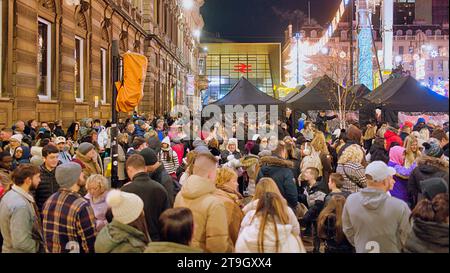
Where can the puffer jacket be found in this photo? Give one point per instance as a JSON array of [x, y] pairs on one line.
[[120, 238], [280, 171], [427, 167], [210, 217], [247, 241], [391, 137], [46, 187], [427, 237]]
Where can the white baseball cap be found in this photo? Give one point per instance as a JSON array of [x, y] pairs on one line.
[[379, 171], [60, 139]]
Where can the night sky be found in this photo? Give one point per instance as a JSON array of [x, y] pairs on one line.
[[260, 20]]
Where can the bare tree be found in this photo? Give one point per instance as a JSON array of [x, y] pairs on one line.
[[336, 66]]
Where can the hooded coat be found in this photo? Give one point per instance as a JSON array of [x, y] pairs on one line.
[[374, 221], [25, 159], [396, 161], [427, 237], [427, 167], [210, 217], [85, 127], [280, 171], [247, 241], [391, 137], [120, 238]]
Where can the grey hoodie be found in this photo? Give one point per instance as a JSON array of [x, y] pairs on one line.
[[376, 222]]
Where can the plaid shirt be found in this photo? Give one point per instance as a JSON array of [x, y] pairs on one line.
[[68, 223]]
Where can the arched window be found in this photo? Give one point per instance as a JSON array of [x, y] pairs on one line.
[[438, 32], [409, 32], [399, 32], [313, 34], [344, 35], [428, 32]]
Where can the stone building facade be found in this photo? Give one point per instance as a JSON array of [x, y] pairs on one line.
[[56, 55]]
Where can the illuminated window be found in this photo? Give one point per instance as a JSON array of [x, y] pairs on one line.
[[103, 74], [79, 69], [44, 59]]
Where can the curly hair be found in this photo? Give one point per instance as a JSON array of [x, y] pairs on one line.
[[224, 175], [352, 154], [319, 143]]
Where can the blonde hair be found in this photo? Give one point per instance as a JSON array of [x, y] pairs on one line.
[[382, 130], [224, 175], [352, 154], [411, 156], [97, 179], [319, 143]]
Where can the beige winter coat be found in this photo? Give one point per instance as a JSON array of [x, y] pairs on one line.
[[210, 217]]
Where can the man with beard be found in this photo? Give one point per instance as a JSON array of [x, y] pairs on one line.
[[20, 223], [68, 218]]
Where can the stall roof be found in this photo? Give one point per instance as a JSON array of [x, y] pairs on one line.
[[406, 94]]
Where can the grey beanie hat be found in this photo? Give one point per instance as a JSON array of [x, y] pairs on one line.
[[67, 174], [198, 142], [202, 149], [85, 148]]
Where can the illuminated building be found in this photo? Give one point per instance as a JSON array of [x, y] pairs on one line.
[[226, 63]]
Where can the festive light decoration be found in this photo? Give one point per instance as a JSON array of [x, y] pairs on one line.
[[398, 59], [420, 69], [365, 66], [434, 54], [297, 63]]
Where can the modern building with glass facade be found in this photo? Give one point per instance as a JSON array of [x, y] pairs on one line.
[[226, 63]]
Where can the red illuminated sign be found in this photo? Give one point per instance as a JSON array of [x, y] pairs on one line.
[[243, 68]]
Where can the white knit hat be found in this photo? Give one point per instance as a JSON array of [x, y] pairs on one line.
[[17, 137], [126, 207]]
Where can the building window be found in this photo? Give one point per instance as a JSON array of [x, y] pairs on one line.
[[400, 50], [429, 65], [79, 69], [344, 35], [409, 32], [313, 34], [428, 32], [440, 65], [44, 59], [103, 74], [438, 32], [399, 32]]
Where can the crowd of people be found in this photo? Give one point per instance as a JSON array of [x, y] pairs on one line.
[[371, 187]]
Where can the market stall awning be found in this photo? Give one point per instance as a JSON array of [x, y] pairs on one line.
[[406, 94]]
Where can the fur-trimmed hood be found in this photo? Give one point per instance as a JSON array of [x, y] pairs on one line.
[[275, 161], [427, 162]]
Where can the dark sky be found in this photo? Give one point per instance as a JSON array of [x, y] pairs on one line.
[[260, 20]]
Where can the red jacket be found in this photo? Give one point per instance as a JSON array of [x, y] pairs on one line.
[[391, 137]]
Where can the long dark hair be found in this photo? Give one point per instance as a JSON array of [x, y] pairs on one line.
[[177, 225], [432, 211], [71, 133], [333, 209], [141, 224]]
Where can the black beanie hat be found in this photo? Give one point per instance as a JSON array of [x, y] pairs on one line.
[[433, 186], [150, 156]]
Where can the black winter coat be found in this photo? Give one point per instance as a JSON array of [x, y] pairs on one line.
[[427, 167], [46, 187], [321, 122], [427, 237], [280, 171], [160, 175], [155, 200]]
